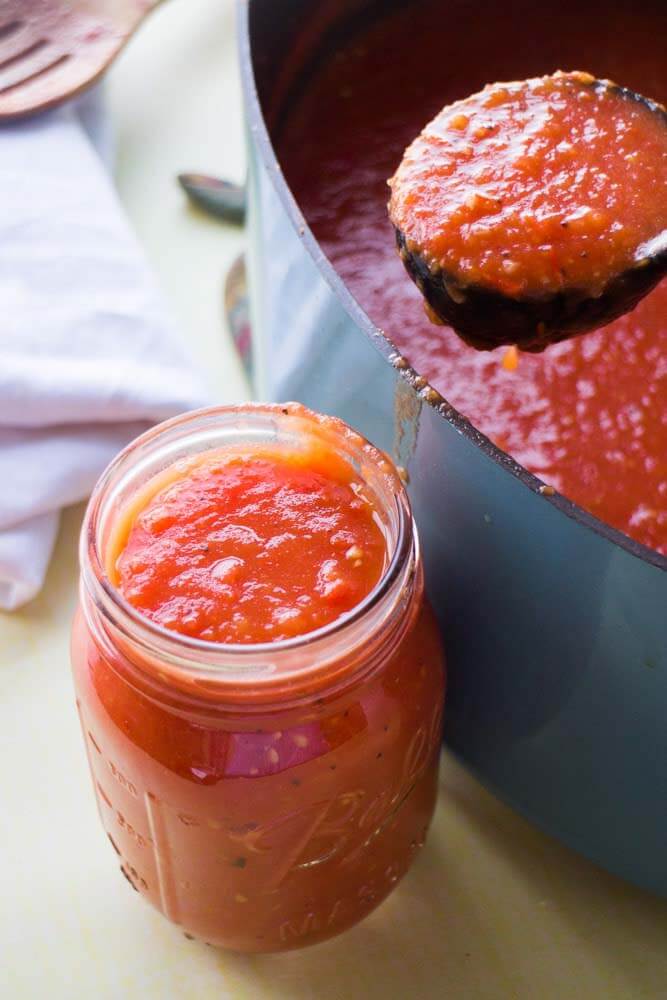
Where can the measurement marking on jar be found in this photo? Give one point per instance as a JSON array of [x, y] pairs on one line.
[[84, 732], [188, 820], [162, 854], [133, 876], [137, 837], [122, 780], [104, 795]]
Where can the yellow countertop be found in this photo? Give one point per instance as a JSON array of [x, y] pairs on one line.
[[493, 909]]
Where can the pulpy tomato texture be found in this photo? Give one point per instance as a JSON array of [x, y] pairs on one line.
[[253, 548]]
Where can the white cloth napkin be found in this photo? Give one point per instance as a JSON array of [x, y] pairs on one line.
[[88, 358]]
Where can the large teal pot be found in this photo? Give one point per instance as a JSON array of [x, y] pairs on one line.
[[555, 624]]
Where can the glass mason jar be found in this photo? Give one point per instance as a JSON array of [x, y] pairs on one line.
[[266, 796]]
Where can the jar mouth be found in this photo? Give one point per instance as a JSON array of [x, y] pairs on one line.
[[199, 431]]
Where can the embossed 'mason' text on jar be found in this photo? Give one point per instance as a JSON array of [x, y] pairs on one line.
[[266, 796]]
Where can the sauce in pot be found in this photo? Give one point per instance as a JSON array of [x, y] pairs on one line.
[[589, 415]]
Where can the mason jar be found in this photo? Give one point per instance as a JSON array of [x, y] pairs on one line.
[[261, 796]]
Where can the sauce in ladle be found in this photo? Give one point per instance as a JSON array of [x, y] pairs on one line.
[[536, 209]]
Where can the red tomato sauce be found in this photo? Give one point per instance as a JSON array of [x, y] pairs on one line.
[[589, 416], [262, 800], [248, 548], [276, 829], [530, 186]]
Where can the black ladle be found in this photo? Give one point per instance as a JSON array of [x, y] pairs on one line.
[[487, 318]]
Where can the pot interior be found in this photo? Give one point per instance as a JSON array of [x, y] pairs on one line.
[[356, 81]]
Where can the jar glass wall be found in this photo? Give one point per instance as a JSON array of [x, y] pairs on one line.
[[261, 796]]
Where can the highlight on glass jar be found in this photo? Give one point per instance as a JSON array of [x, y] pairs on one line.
[[259, 678]]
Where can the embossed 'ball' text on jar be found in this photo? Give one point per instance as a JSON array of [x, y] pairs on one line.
[[263, 797]]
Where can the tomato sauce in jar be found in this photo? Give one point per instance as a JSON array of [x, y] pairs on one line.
[[265, 766], [252, 545]]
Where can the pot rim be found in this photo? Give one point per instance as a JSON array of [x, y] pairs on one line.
[[427, 394]]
